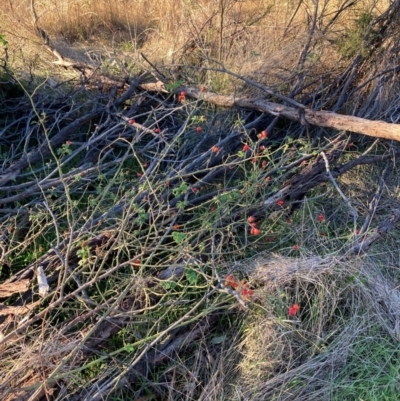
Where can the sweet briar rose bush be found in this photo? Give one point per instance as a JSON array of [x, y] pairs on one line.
[[259, 228], [214, 226]]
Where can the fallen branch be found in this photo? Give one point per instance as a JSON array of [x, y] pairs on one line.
[[376, 129], [8, 289], [377, 233]]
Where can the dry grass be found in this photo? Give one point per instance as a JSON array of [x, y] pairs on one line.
[[255, 38], [302, 358]]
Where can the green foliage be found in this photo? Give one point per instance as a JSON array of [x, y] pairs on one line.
[[182, 189], [357, 39], [178, 237], [371, 372], [172, 86], [64, 150], [129, 347], [169, 285], [191, 276], [84, 254], [3, 41]]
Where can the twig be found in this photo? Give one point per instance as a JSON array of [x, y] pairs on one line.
[[153, 66], [378, 232], [374, 202], [347, 201]]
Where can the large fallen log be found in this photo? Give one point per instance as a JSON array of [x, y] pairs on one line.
[[377, 129]]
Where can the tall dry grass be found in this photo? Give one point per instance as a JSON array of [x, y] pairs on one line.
[[253, 36]]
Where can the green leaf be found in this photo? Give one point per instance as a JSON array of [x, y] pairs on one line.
[[181, 205], [168, 285], [191, 276], [129, 347], [178, 237], [218, 340], [181, 189]]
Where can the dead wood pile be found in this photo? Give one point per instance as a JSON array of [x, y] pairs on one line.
[[106, 180]]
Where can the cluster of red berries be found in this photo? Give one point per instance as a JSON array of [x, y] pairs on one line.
[[246, 148], [294, 309], [263, 135], [182, 96], [242, 288], [254, 229]]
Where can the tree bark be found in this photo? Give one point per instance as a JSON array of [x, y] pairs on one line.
[[376, 129]]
